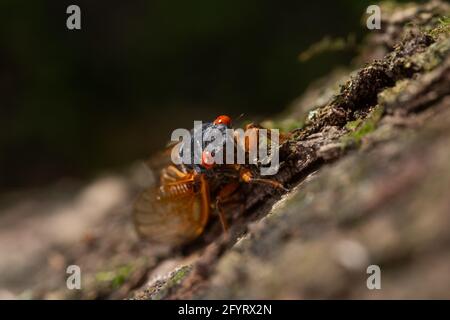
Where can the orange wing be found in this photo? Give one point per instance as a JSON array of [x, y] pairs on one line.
[[175, 213]]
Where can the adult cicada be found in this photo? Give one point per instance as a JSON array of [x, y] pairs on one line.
[[178, 209]]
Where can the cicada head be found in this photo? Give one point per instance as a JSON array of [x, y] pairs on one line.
[[211, 142]]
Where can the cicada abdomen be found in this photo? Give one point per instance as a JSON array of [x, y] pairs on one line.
[[176, 212]]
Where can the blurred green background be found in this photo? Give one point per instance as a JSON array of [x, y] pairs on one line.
[[75, 103]]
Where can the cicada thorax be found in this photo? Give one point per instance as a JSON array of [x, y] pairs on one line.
[[177, 211]]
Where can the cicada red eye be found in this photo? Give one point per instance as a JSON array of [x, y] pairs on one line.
[[223, 119], [207, 160]]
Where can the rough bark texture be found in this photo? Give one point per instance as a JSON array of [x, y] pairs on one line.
[[368, 172]]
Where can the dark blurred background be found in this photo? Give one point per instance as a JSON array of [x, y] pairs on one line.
[[75, 103]]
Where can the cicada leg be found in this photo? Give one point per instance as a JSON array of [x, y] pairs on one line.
[[282, 136], [247, 177], [221, 199]]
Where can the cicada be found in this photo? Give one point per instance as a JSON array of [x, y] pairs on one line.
[[178, 209]]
